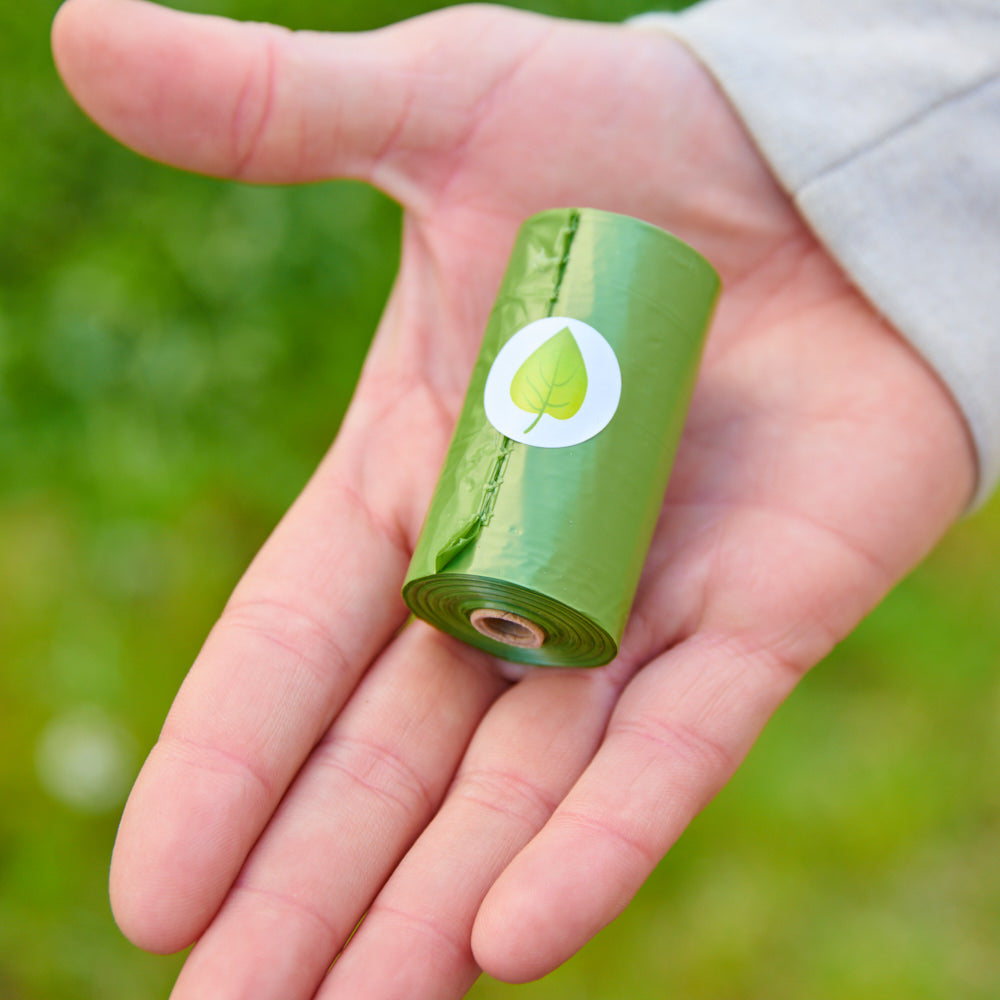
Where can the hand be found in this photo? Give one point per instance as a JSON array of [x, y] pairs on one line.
[[318, 764]]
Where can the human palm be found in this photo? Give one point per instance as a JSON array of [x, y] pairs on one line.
[[319, 764]]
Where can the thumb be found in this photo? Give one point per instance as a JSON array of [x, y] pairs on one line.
[[261, 103]]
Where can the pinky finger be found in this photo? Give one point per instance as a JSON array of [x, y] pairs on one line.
[[681, 729]]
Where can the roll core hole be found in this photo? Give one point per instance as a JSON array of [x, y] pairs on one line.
[[506, 627]]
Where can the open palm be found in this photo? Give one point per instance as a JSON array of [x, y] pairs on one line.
[[319, 764]]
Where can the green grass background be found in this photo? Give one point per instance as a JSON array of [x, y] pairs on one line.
[[175, 355]]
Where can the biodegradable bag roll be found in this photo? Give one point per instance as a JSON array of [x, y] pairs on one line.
[[550, 491]]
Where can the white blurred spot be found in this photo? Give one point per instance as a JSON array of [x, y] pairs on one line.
[[85, 759]]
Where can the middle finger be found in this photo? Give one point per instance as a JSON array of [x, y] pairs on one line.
[[526, 754]]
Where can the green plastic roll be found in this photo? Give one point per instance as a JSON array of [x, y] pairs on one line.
[[546, 504]]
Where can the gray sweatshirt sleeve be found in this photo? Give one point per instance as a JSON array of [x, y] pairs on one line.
[[882, 120]]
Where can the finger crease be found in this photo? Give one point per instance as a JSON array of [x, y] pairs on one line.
[[507, 794], [382, 771], [299, 906], [752, 652], [263, 73], [213, 759], [293, 630], [392, 138], [458, 944], [391, 533], [678, 741], [602, 828]]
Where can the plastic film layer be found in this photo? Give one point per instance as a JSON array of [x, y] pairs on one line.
[[554, 535]]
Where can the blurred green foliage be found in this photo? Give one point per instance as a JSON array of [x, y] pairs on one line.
[[175, 355]]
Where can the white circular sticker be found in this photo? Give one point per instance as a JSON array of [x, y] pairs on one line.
[[555, 383]]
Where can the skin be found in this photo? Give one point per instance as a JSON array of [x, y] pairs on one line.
[[318, 764]]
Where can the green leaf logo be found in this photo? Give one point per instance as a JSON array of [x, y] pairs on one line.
[[556, 365], [552, 380]]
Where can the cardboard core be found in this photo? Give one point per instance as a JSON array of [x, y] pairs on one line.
[[506, 627]]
